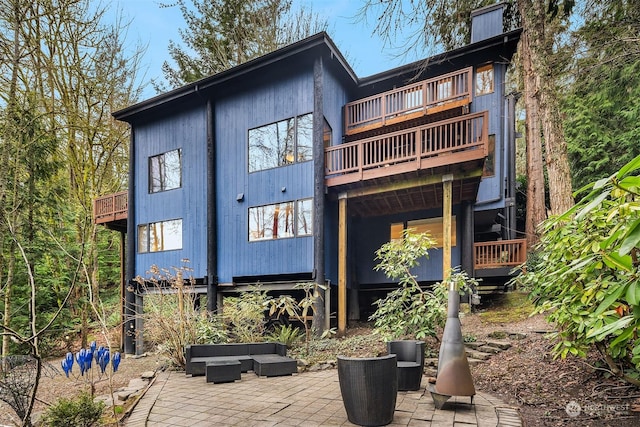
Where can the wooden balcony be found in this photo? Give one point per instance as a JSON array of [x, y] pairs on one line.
[[499, 254], [426, 97], [448, 142], [111, 210]]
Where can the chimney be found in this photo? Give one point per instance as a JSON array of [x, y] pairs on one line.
[[486, 22]]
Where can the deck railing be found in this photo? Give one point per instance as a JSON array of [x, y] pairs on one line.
[[425, 97], [112, 207], [502, 253], [446, 142]]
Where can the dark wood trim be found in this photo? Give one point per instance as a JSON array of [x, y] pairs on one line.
[[409, 183], [212, 229], [318, 191], [130, 308]]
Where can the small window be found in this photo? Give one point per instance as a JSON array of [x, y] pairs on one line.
[[282, 143], [160, 236], [143, 238], [327, 134], [305, 217], [396, 231], [280, 221], [484, 79], [165, 171], [490, 161]]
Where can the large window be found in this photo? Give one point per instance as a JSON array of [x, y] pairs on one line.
[[160, 236], [282, 143], [281, 220], [165, 171], [433, 226]]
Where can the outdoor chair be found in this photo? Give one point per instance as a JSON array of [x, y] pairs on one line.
[[410, 361]]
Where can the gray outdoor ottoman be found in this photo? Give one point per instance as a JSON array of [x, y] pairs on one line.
[[223, 371]]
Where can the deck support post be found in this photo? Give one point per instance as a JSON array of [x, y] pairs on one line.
[[447, 181], [342, 264]]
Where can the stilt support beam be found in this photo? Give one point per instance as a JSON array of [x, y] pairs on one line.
[[447, 181], [342, 265]]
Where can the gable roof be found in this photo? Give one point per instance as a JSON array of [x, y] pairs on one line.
[[306, 51], [303, 51]]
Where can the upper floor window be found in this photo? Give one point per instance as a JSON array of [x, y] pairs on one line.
[[484, 79], [165, 171], [282, 143], [160, 236], [281, 220]]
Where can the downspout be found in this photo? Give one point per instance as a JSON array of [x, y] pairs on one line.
[[318, 194], [212, 226], [129, 331]]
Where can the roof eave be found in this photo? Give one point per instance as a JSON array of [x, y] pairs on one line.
[[184, 92], [504, 38]]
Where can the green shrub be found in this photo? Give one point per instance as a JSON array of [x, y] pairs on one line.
[[79, 412], [244, 315], [412, 310], [286, 334], [172, 320], [588, 277]]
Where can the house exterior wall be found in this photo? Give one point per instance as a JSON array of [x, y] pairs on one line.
[[491, 190], [373, 232], [486, 22], [256, 106], [335, 96], [183, 130]]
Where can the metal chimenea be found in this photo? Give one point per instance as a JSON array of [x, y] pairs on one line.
[[454, 376]]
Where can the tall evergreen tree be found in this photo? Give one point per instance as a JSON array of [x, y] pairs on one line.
[[602, 109], [221, 34]]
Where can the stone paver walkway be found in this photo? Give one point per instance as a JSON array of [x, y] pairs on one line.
[[307, 399]]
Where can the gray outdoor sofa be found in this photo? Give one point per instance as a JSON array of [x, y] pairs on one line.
[[267, 359]]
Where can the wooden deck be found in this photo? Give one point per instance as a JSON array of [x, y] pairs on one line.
[[110, 208], [499, 254], [425, 97], [453, 141]]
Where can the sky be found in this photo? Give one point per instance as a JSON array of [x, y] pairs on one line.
[[154, 26]]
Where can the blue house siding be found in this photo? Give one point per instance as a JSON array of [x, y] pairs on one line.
[[491, 190], [184, 130], [487, 22], [374, 232], [334, 97], [234, 116]]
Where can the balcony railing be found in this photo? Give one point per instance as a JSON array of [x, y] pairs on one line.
[[503, 253], [425, 97], [451, 141], [109, 208]]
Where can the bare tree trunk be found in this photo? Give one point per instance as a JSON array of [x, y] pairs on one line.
[[557, 160], [538, 39], [536, 211], [8, 286]]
